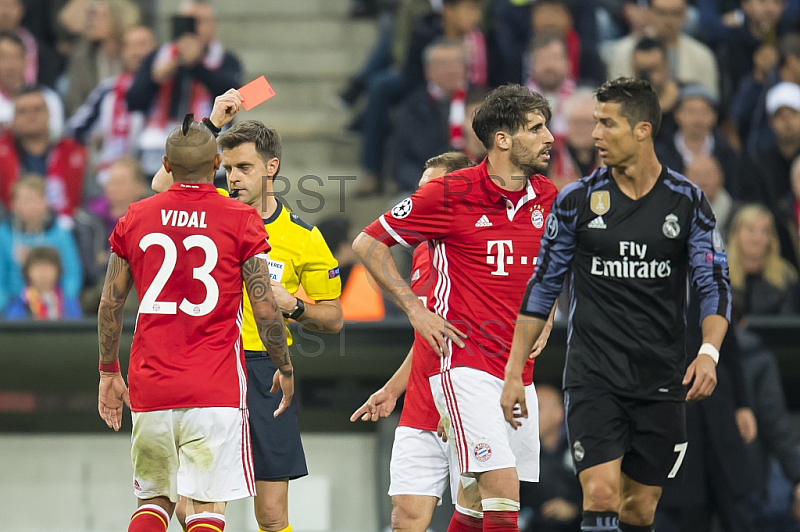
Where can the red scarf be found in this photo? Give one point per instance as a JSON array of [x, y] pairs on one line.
[[44, 308], [31, 55], [66, 163], [200, 101], [120, 117], [456, 119], [573, 41], [478, 65]]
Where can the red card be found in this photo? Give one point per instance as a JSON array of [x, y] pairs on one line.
[[256, 92]]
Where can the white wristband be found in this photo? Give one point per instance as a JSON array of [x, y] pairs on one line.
[[710, 350]]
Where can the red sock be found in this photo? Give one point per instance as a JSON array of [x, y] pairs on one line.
[[464, 523], [205, 522], [149, 518], [500, 521]]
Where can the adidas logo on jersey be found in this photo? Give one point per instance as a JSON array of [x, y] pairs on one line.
[[597, 223], [483, 222]]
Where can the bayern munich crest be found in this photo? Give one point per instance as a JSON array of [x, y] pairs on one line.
[[482, 451], [537, 218]]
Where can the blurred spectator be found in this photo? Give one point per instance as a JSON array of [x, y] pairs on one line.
[[706, 172], [28, 148], [95, 222], [689, 60], [12, 81], [761, 281], [573, 21], [32, 225], [431, 119], [361, 298], [473, 147], [549, 75], [556, 502], [103, 122], [649, 62], [458, 21], [749, 109], [697, 134], [98, 55], [768, 172], [42, 298], [575, 155], [741, 46], [183, 76], [776, 434], [42, 65]]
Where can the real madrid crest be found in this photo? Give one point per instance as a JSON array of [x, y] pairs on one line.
[[600, 202], [671, 227], [578, 452]]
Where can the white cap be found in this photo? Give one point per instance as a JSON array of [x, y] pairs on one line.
[[784, 94]]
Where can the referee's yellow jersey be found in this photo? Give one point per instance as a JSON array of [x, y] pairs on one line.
[[299, 256]]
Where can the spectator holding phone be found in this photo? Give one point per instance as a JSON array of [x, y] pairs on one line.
[[183, 76]]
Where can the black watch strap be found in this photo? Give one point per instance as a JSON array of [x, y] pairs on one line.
[[301, 307], [214, 129]]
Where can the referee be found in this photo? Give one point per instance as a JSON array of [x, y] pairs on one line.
[[630, 235], [251, 154]]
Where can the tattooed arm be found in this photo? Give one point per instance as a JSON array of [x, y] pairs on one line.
[[113, 391], [271, 328]]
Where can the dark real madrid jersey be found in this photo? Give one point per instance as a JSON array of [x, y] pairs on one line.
[[629, 261]]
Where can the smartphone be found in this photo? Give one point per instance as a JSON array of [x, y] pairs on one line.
[[182, 25]]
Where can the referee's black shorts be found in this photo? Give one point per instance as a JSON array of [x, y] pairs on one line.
[[650, 436], [277, 449]]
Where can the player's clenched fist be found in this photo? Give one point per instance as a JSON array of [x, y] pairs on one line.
[[226, 105]]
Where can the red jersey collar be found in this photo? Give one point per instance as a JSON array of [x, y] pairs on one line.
[[191, 187]]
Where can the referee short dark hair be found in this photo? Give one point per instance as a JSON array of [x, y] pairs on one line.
[[506, 108], [638, 101], [267, 140]]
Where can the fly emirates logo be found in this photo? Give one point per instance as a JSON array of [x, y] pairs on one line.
[[632, 264], [183, 219]]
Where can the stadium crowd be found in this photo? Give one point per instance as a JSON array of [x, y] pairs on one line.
[[88, 97]]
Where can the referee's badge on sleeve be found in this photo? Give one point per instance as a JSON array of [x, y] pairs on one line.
[[600, 202]]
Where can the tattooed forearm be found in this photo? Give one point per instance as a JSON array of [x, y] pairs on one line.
[[269, 320], [109, 315]]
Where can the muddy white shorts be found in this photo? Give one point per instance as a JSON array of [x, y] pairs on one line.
[[469, 399], [200, 453]]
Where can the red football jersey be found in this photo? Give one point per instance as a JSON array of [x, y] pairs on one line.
[[419, 410], [485, 250], [185, 248]]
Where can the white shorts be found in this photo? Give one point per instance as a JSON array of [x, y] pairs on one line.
[[469, 399], [200, 453], [422, 464]]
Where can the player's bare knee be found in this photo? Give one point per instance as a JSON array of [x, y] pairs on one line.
[[180, 512], [601, 495], [500, 483], [407, 518], [271, 515], [639, 508]]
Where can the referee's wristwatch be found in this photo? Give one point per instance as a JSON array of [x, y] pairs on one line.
[[298, 309]]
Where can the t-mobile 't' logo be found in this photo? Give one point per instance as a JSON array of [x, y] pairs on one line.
[[500, 259]]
